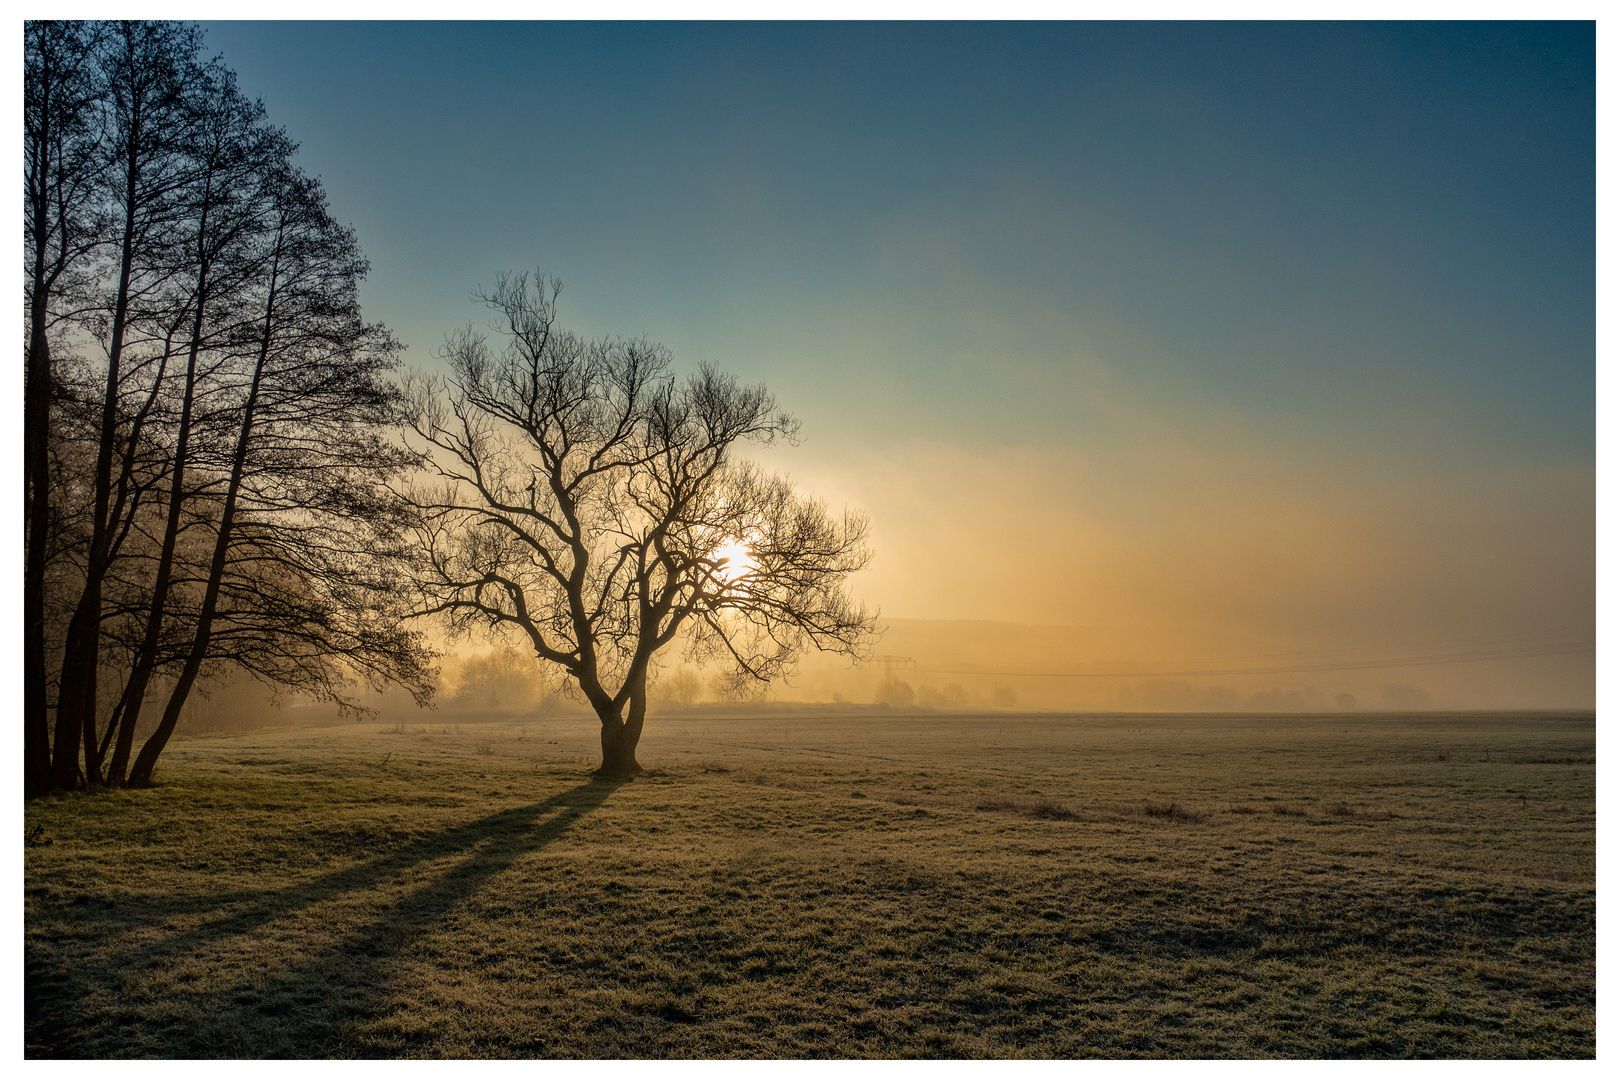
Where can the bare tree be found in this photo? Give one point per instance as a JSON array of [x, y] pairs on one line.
[[145, 70], [216, 426], [586, 497], [502, 678], [61, 86], [222, 217], [306, 546]]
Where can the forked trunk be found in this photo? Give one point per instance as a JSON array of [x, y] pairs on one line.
[[621, 717], [619, 739]]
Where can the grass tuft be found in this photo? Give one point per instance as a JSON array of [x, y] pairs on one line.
[[676, 1013], [1170, 811], [1039, 808]]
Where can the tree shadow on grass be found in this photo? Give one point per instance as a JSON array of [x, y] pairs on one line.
[[311, 1006]]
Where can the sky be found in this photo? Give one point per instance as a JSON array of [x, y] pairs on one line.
[[1208, 344]]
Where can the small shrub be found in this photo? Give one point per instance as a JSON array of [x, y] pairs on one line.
[[1235, 808], [1288, 811]]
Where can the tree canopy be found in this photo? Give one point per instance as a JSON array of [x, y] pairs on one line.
[[211, 426], [593, 501]]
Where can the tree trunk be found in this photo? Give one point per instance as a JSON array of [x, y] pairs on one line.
[[36, 449], [51, 113], [76, 693], [36, 457], [619, 750], [619, 739], [140, 774], [146, 660]]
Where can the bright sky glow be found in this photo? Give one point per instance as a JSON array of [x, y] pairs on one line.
[[1210, 338], [737, 558]]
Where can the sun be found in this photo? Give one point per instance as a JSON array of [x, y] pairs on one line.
[[737, 560]]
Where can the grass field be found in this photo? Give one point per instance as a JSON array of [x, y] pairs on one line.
[[1322, 886]]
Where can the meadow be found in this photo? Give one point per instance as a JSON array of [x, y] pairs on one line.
[[797, 885]]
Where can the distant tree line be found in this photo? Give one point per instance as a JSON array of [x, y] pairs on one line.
[[504, 680], [211, 447]]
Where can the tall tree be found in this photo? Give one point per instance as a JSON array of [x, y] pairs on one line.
[[61, 87], [237, 163], [306, 513], [587, 498], [146, 68], [218, 456]]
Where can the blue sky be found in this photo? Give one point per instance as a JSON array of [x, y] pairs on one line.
[[1112, 285]]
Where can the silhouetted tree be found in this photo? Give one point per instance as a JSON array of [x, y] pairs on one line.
[[502, 678], [223, 212], [145, 71], [304, 562], [221, 476], [893, 691], [591, 500], [680, 687], [61, 87]]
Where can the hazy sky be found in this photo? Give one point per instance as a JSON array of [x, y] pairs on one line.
[[1219, 340]]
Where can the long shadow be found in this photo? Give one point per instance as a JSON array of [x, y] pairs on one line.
[[506, 828], [347, 971]]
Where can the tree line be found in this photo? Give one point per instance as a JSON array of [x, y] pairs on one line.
[[209, 422], [226, 468]]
